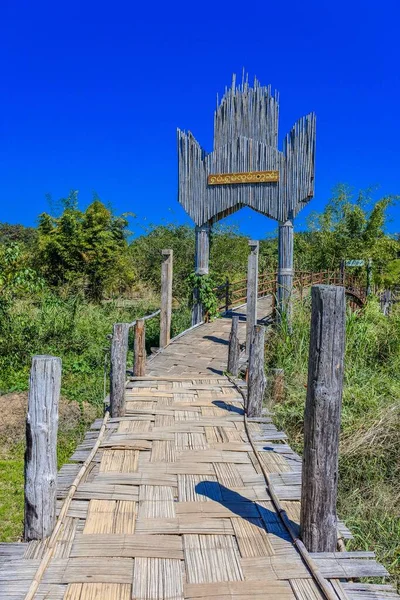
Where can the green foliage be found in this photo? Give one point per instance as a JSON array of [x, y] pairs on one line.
[[86, 249], [349, 228], [17, 234], [204, 286], [145, 256], [16, 277]]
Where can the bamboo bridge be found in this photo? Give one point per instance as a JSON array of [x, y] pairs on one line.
[[185, 497]]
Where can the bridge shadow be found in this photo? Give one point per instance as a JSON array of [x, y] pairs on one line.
[[228, 407], [217, 371], [215, 339], [245, 508]]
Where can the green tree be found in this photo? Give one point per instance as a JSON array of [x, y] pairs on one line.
[[17, 234], [17, 278], [84, 248], [350, 227]]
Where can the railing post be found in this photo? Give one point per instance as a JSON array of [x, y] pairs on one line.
[[252, 289], [256, 376], [119, 349], [166, 297], [342, 271], [369, 277], [227, 295], [139, 366], [41, 447], [318, 520], [273, 300], [234, 347]]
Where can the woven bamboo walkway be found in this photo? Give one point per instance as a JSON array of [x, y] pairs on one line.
[[174, 503]]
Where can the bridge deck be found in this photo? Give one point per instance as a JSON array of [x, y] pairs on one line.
[[174, 504]]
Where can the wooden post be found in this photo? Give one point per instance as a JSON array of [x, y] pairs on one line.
[[119, 349], [41, 447], [285, 270], [256, 375], [227, 295], [201, 259], [273, 300], [369, 277], [139, 366], [166, 297], [301, 286], [342, 271], [318, 521], [234, 347], [252, 290], [277, 385]]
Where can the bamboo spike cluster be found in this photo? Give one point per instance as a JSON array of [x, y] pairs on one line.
[[246, 139]]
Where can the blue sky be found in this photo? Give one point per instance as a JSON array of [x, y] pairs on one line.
[[91, 94]]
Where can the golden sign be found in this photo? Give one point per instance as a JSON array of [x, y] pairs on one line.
[[249, 177]]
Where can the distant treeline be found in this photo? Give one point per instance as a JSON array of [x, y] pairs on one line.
[[91, 251]]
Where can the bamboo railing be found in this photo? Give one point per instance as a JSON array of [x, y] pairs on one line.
[[234, 293]]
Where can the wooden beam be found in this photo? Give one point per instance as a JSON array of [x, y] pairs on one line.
[[166, 297], [256, 375], [139, 366], [234, 348], [252, 291], [318, 522], [41, 447], [119, 349]]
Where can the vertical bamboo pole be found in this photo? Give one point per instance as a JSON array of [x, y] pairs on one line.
[[252, 290], [166, 297], [285, 271], [318, 521], [202, 255], [119, 349], [41, 447], [139, 366], [256, 376], [234, 347]]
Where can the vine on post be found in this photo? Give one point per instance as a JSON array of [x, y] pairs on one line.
[[204, 284]]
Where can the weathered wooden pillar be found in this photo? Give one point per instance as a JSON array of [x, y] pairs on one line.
[[252, 291], [41, 447], [277, 385], [119, 349], [285, 271], [227, 294], [166, 297], [201, 259], [234, 347], [318, 521], [256, 375], [139, 366], [342, 271], [369, 277]]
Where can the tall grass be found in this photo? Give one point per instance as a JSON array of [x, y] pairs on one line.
[[369, 464], [76, 331]]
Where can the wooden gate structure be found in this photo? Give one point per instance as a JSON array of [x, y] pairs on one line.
[[246, 168]]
